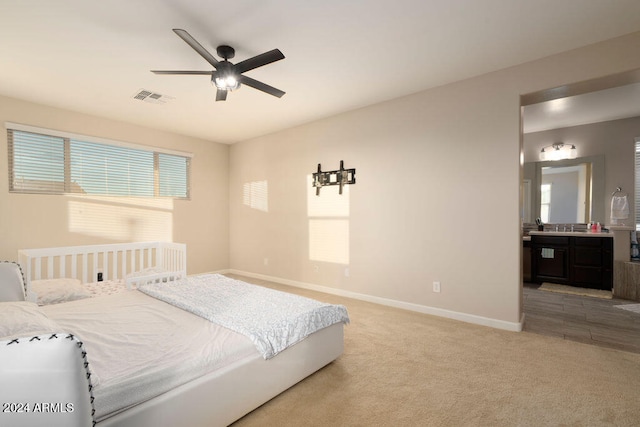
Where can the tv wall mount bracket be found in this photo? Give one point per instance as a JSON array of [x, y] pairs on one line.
[[339, 177]]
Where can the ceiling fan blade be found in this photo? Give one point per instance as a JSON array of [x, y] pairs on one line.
[[196, 46], [221, 95], [259, 60], [261, 86], [182, 72]]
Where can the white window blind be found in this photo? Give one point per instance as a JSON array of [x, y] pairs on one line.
[[55, 164], [36, 163], [172, 171]]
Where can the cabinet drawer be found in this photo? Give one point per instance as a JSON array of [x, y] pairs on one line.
[[585, 256], [592, 277], [594, 242], [550, 240]]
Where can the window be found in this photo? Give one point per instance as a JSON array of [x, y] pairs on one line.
[[545, 202], [36, 163], [49, 162]]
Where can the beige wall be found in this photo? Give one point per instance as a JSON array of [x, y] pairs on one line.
[[615, 140], [436, 198], [33, 221]]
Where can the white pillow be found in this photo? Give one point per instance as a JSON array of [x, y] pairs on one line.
[[150, 275], [24, 318], [150, 271], [54, 291]]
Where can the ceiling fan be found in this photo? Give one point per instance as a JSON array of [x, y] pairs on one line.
[[227, 76]]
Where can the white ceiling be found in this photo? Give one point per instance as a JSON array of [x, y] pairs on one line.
[[94, 56]]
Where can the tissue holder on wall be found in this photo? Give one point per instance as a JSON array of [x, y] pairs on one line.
[[339, 177]]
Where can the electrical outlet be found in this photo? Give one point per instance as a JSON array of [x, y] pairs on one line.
[[266, 261], [436, 286], [316, 269], [346, 272]]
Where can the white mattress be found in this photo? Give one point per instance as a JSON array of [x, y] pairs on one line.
[[138, 349]]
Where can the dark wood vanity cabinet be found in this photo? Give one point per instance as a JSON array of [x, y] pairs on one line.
[[586, 262]]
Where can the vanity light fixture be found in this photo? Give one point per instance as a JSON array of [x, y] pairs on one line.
[[558, 151]]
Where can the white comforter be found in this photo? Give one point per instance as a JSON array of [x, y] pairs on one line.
[[139, 347], [273, 320]]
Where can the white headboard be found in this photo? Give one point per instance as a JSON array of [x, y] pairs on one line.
[[112, 261], [49, 370]]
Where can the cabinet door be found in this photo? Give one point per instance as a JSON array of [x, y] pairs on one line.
[[526, 263], [552, 264], [589, 277]]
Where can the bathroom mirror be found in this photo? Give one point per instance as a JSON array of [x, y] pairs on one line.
[[573, 192]]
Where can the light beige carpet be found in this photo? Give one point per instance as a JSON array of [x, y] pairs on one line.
[[402, 368], [572, 290]]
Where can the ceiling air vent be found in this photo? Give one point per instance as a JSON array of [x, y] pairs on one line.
[[151, 97]]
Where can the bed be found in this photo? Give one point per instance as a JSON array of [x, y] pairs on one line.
[[157, 359]]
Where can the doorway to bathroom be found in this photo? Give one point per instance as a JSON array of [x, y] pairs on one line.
[[600, 119]]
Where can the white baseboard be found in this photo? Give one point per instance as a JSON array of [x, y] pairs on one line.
[[464, 317]]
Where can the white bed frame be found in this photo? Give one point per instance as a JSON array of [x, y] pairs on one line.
[[114, 261], [215, 399], [226, 395]]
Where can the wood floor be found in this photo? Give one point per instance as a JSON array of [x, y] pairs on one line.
[[578, 318]]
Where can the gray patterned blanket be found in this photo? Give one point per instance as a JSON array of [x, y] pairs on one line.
[[273, 320]]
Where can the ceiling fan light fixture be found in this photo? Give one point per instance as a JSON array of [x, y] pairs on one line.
[[225, 82], [225, 78], [558, 151]]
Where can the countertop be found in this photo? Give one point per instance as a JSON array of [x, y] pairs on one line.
[[570, 233]]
